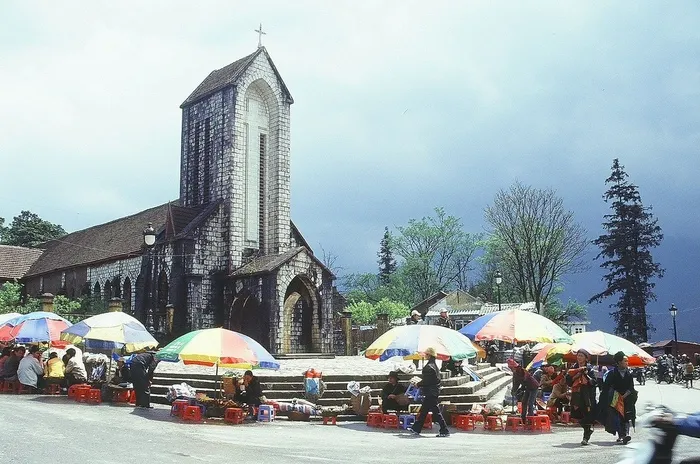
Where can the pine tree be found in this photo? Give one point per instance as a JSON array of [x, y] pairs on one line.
[[632, 232], [387, 263]]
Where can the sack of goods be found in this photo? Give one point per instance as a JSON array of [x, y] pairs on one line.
[[180, 391]]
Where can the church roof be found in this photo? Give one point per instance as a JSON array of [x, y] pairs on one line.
[[119, 238], [228, 75], [15, 261], [269, 263]]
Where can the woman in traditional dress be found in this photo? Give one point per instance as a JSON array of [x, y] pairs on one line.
[[582, 380], [618, 399]]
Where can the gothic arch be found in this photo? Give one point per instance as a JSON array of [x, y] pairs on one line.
[[96, 290], [126, 295], [116, 288], [107, 290], [248, 317], [300, 317]]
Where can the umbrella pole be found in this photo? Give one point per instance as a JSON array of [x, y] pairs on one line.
[[218, 381]]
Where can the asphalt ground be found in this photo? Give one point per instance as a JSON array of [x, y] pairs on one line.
[[42, 429]]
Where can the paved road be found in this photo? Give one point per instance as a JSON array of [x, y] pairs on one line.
[[50, 430]]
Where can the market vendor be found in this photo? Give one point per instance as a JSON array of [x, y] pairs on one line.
[[54, 369], [74, 372], [392, 393], [250, 392]]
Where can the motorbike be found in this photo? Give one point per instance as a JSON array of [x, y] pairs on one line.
[[659, 448]]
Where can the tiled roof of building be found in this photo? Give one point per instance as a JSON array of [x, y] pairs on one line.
[[118, 238], [15, 261], [228, 75], [479, 309]]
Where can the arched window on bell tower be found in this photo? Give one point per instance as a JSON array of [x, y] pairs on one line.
[[257, 126]]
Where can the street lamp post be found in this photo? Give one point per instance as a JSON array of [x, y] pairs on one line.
[[149, 239], [499, 280], [673, 310]]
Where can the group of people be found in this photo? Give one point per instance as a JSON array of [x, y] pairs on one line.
[[27, 366], [577, 388], [668, 365]]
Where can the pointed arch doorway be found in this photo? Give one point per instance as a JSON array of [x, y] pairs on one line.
[[300, 316], [248, 317]]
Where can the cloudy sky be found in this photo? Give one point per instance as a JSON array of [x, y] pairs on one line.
[[399, 107]]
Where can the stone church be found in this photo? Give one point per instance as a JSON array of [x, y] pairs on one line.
[[226, 252]]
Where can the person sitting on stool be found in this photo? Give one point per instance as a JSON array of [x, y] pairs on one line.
[[391, 393], [253, 391]]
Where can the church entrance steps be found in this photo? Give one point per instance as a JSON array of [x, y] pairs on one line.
[[304, 356], [459, 390]]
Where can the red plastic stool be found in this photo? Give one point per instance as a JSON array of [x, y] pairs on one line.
[[566, 417], [428, 424], [132, 397], [540, 423], [329, 420], [120, 396], [82, 394], [476, 417], [375, 419], [463, 422], [390, 421], [9, 386], [192, 413], [94, 396], [178, 408], [53, 389], [513, 423], [74, 388], [551, 412], [22, 389], [493, 423], [231, 415]]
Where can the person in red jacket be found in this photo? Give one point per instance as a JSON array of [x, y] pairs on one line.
[[523, 378]]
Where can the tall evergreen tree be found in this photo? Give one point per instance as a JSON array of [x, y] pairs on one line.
[[387, 263], [631, 233]]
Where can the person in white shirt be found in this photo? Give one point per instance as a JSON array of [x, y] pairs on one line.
[[75, 372], [31, 370]]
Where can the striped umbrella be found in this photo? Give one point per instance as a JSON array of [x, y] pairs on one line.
[[551, 353], [411, 341], [7, 317], [604, 346], [34, 327], [218, 347], [110, 331], [515, 326]]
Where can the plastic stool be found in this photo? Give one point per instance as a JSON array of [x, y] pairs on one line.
[[74, 388], [540, 423], [82, 394], [178, 407], [132, 397], [192, 413], [53, 389], [231, 415], [329, 420], [476, 417], [428, 424], [374, 419], [463, 422], [566, 417], [406, 421], [390, 421], [95, 396], [121, 396], [493, 423], [23, 389], [513, 423], [266, 413]]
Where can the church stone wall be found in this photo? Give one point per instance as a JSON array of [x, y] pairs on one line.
[[130, 267]]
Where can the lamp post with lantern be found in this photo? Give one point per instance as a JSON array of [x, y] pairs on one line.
[[499, 280], [673, 310], [149, 239]]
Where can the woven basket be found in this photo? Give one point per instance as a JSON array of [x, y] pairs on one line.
[[298, 416]]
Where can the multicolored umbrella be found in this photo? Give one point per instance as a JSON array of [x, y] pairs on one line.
[[411, 341], [34, 327], [515, 326], [8, 316], [551, 353], [110, 331], [604, 345], [218, 347]]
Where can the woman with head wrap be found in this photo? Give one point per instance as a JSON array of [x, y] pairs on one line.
[[582, 380], [617, 399]]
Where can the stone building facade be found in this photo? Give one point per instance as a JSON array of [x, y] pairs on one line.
[[227, 253]]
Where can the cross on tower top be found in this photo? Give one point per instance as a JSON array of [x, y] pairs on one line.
[[260, 32]]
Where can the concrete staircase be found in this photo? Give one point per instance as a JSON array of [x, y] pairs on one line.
[[459, 391]]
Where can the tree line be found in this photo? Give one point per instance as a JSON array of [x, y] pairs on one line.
[[534, 241]]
